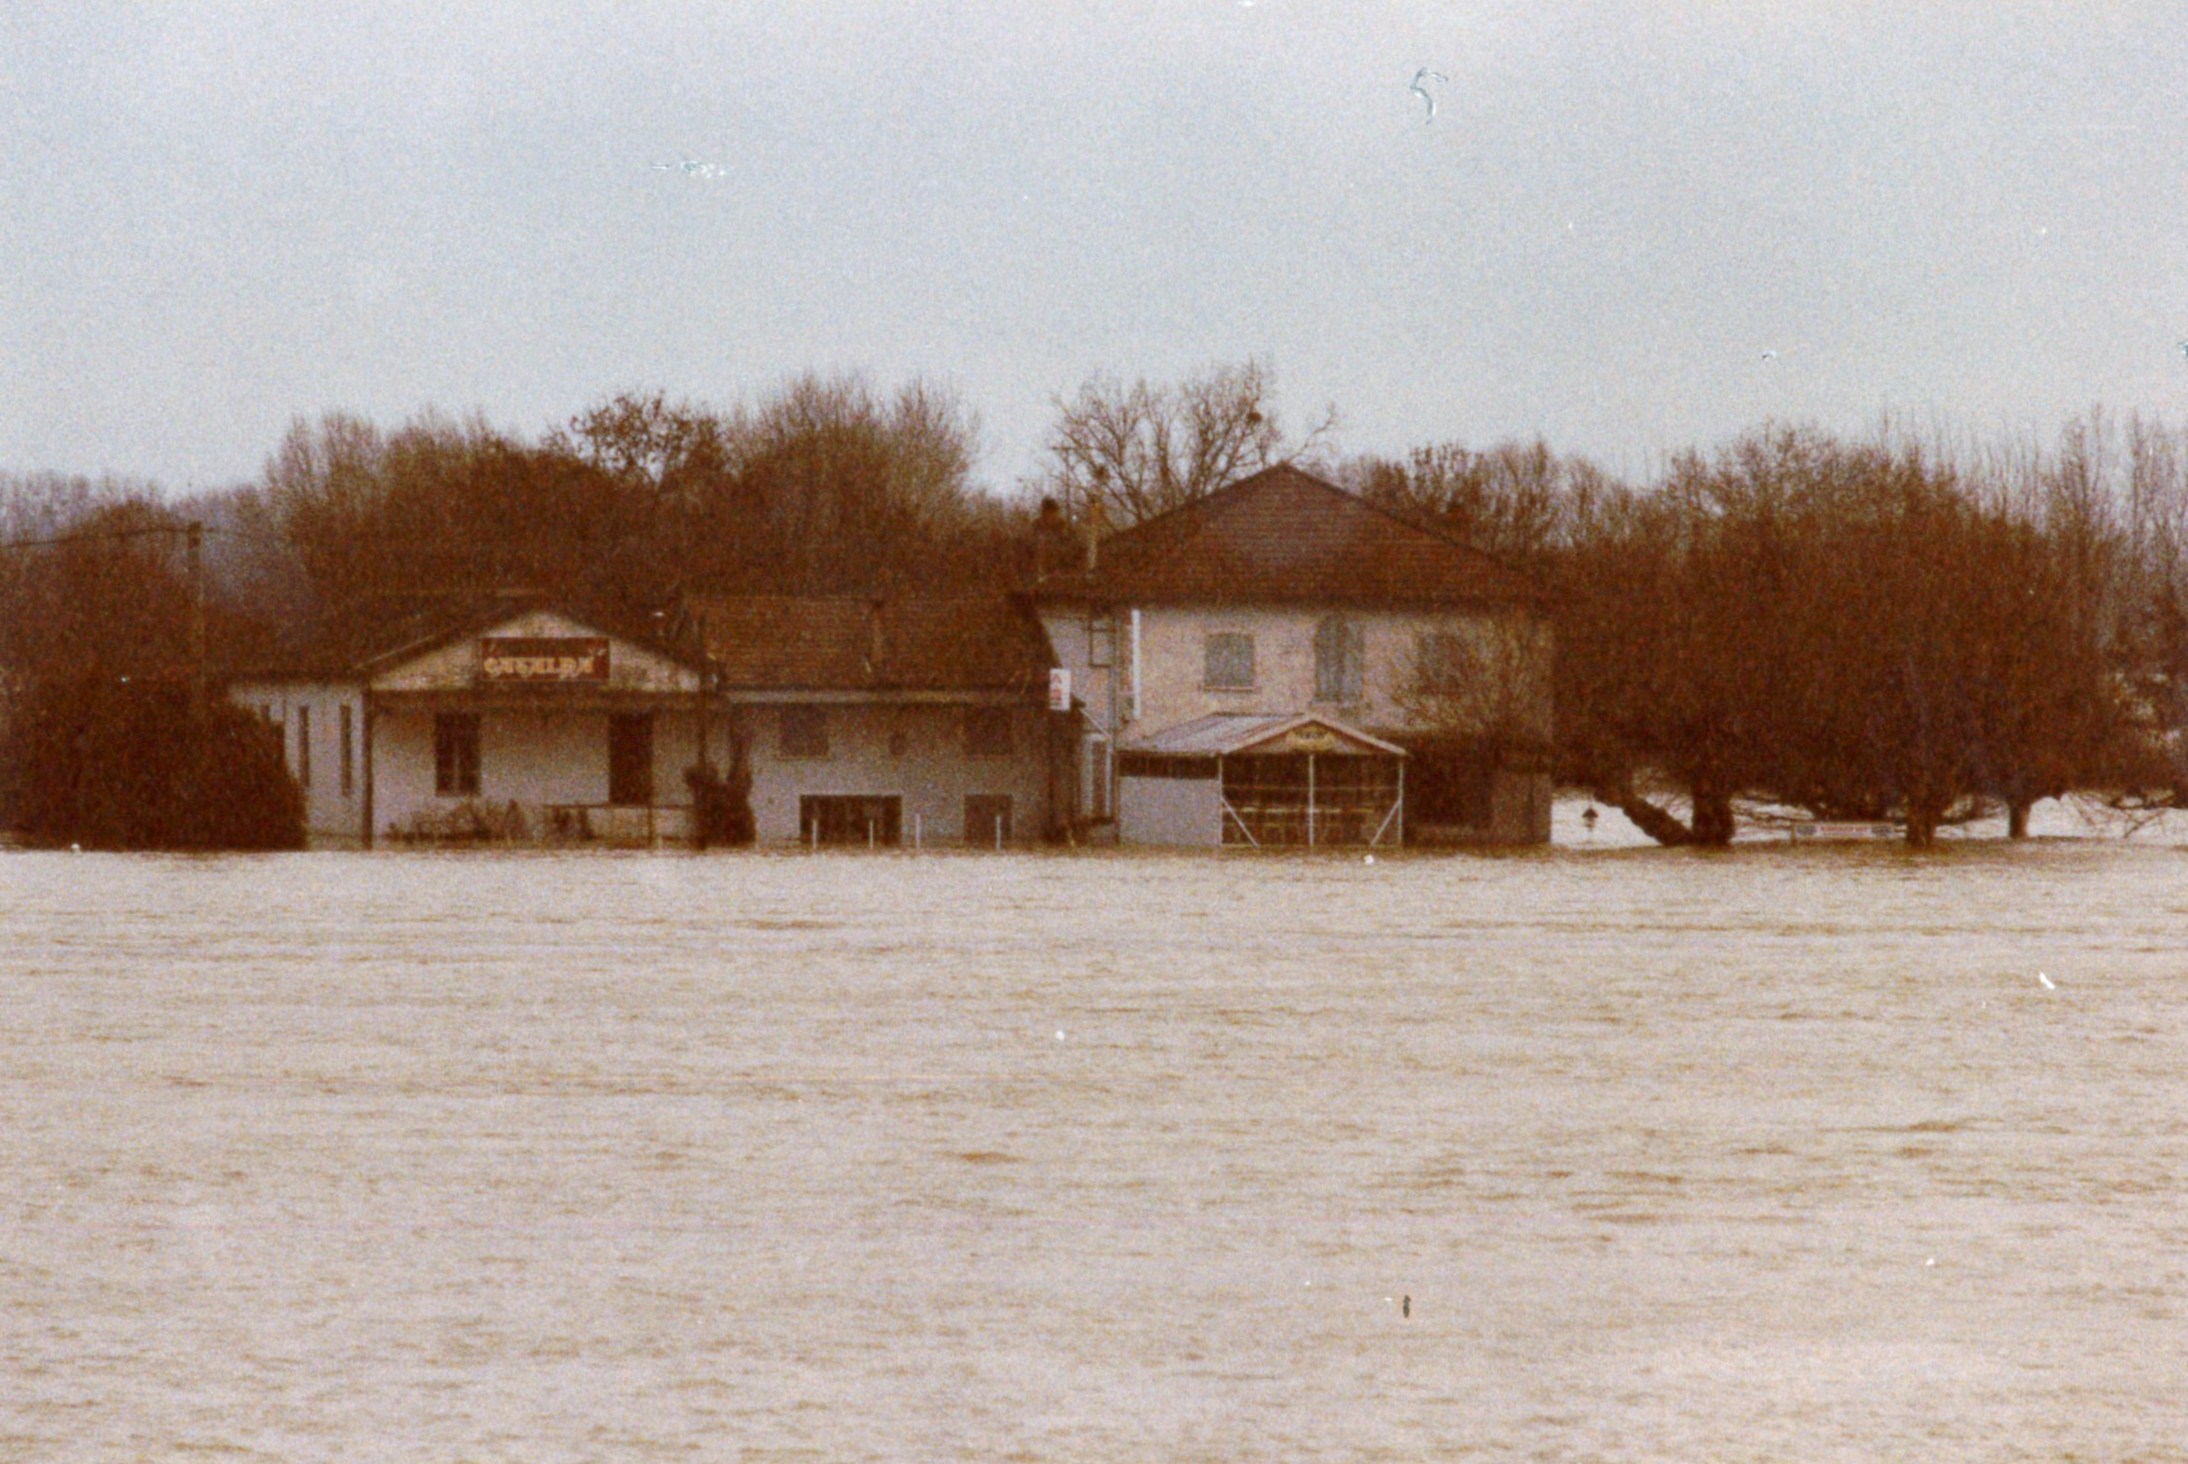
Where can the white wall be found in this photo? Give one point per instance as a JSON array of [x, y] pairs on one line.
[[1187, 811], [332, 815], [932, 775], [1173, 662], [533, 756]]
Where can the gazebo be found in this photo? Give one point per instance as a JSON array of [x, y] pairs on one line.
[[1261, 781]]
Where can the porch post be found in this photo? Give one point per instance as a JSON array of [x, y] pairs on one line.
[[365, 716], [1401, 802], [1310, 800]]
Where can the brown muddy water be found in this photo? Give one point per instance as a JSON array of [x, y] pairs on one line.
[[1781, 1154]]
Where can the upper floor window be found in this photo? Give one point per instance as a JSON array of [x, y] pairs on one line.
[[1230, 661], [987, 731], [1440, 661], [804, 732], [1339, 650]]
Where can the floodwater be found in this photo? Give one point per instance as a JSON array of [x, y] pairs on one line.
[[1610, 1154]]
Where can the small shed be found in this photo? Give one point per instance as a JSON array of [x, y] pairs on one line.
[[1298, 779]]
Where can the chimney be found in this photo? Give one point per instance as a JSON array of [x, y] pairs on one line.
[[1093, 529], [1049, 529]]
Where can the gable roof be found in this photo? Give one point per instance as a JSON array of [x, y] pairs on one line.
[[1286, 537], [411, 626], [851, 643]]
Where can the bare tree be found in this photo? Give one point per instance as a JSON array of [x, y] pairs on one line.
[[1129, 453]]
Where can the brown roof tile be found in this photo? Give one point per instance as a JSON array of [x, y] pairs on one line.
[[844, 643], [1284, 536]]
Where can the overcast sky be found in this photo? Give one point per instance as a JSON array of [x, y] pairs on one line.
[[1629, 227]]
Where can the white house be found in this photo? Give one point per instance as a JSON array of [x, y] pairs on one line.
[[859, 722], [507, 720], [1284, 601]]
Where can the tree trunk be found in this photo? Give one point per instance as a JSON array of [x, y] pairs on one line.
[[1923, 817], [1713, 824], [1710, 817], [2017, 819]]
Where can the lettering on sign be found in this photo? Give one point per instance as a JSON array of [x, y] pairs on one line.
[[1311, 739], [1059, 689], [543, 658]]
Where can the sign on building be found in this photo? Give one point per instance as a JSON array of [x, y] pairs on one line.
[[1059, 689], [543, 658]]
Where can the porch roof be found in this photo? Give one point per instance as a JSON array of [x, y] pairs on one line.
[[1221, 734]]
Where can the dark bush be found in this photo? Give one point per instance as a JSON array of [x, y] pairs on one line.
[[114, 764]]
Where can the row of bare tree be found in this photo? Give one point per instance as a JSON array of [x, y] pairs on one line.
[[1872, 628], [1885, 628]]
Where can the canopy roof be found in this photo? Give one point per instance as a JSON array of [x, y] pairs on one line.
[[1224, 734]]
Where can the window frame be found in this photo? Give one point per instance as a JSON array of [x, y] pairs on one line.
[[1340, 647], [801, 732], [980, 740], [1231, 640]]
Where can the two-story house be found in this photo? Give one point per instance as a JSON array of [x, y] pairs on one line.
[[1280, 662]]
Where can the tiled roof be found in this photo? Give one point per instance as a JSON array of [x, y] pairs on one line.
[[844, 643], [1284, 536], [398, 627]]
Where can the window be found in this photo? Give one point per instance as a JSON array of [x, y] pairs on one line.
[[348, 779], [987, 818], [804, 732], [1101, 641], [630, 758], [1338, 652], [303, 747], [456, 753], [1230, 661], [1440, 661], [987, 732]]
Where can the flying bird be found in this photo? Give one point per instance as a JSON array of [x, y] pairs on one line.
[[690, 168], [1422, 92], [1770, 355]]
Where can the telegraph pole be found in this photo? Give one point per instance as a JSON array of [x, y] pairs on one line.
[[194, 542]]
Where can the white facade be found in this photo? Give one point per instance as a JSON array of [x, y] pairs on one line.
[[426, 746], [1145, 669], [914, 751], [1180, 812], [321, 726], [1140, 670]]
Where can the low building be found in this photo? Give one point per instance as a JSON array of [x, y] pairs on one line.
[[1283, 597], [503, 720], [885, 721]]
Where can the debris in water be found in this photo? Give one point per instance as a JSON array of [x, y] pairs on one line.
[[2049, 984]]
